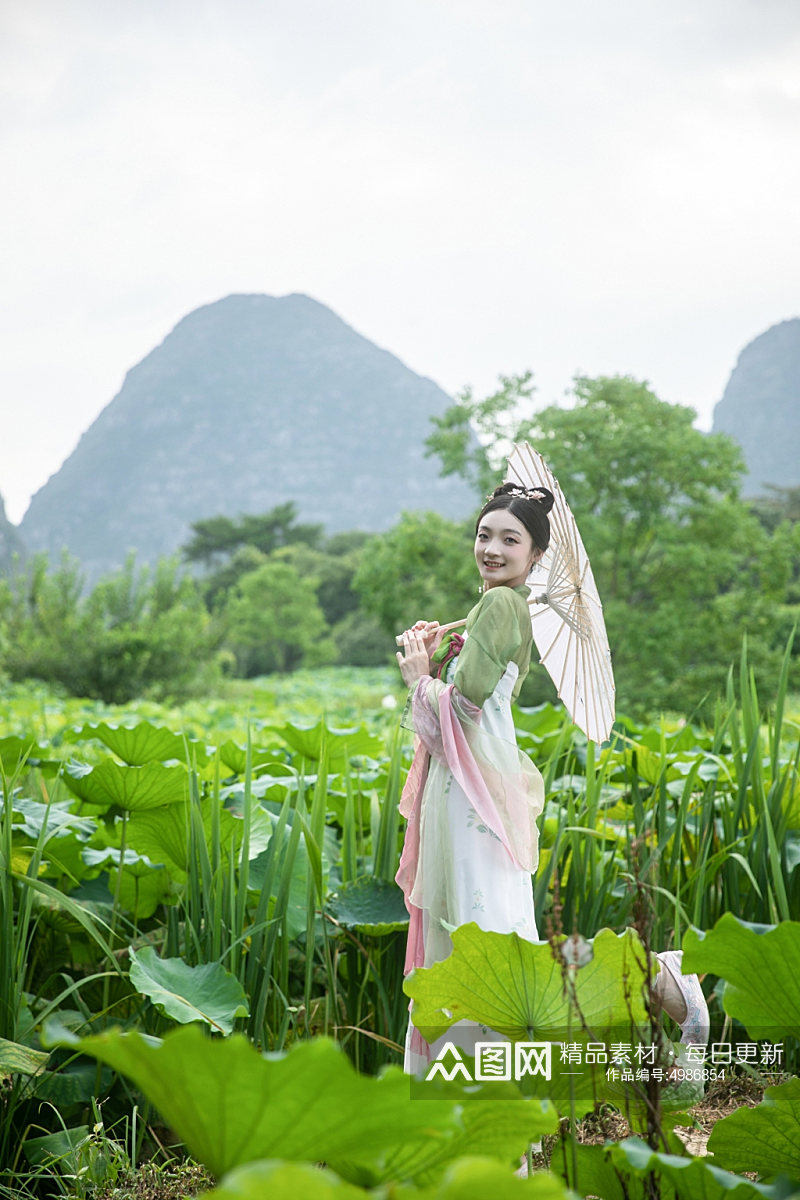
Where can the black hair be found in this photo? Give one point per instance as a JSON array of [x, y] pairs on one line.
[[528, 505]]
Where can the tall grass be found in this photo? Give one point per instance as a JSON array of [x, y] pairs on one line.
[[710, 819]]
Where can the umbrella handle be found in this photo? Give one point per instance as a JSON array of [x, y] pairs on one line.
[[441, 629]]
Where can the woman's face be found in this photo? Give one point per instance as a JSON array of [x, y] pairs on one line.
[[504, 550]]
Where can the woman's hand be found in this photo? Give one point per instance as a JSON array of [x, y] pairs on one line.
[[430, 631], [414, 662]]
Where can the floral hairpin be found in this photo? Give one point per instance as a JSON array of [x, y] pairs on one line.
[[527, 493]]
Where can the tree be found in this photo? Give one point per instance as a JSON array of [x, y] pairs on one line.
[[421, 569], [682, 565], [139, 632], [217, 538], [274, 622], [499, 420]]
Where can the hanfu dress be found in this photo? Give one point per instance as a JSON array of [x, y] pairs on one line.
[[471, 799]]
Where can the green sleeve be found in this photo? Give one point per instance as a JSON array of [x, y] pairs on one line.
[[499, 632]]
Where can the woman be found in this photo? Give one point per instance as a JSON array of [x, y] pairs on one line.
[[472, 798]]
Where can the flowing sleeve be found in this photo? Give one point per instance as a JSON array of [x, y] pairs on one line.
[[499, 631]]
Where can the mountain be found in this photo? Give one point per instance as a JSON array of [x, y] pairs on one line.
[[760, 408], [249, 402], [10, 541]]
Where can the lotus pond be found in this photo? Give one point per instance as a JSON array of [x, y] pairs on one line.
[[201, 946]]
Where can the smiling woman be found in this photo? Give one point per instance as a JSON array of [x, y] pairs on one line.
[[472, 799]]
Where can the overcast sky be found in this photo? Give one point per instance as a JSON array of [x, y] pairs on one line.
[[479, 186]]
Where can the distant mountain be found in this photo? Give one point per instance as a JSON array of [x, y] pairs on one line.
[[249, 402], [10, 541], [761, 408]]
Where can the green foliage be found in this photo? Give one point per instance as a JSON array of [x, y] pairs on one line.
[[761, 969], [137, 632], [275, 623], [271, 866], [518, 987], [206, 993], [764, 1139], [220, 537], [683, 565], [499, 420], [421, 569], [310, 1105], [630, 1170]]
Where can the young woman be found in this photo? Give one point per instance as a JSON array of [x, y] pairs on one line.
[[472, 798]]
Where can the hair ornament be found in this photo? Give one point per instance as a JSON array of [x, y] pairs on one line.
[[519, 491]]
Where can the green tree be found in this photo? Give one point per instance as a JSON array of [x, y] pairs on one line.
[[275, 623], [498, 420], [215, 539], [422, 569], [682, 564], [139, 632]]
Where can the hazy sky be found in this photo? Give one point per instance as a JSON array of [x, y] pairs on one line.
[[479, 186]]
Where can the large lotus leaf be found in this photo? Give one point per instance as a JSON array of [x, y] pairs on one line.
[[13, 750], [764, 1139], [517, 988], [54, 818], [761, 973], [466, 1179], [370, 905], [163, 834], [276, 1180], [232, 1105], [470, 1178], [205, 993], [20, 1060], [627, 1171], [493, 1128], [235, 757], [142, 888], [143, 743], [339, 743], [132, 788]]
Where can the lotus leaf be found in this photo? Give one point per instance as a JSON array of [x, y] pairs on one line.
[[626, 1171], [517, 987], [163, 833], [492, 1127], [339, 743], [276, 1180], [764, 1139], [141, 889], [54, 818], [465, 1179], [206, 993], [132, 788], [761, 972], [370, 905], [13, 750], [60, 1146], [20, 1060], [235, 757], [472, 1177], [143, 743], [232, 1105]]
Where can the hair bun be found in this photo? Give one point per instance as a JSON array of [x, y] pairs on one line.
[[538, 495]]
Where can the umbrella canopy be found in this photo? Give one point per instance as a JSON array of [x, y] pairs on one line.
[[566, 613]]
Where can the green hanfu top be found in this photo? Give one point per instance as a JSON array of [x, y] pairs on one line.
[[499, 628]]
